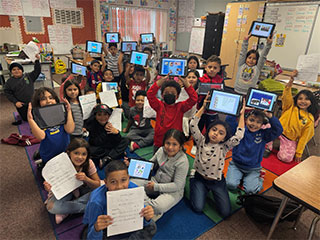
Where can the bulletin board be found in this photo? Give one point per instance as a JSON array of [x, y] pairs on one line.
[[238, 19], [295, 24], [196, 40]]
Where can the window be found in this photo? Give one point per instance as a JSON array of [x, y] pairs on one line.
[[130, 22], [72, 17]]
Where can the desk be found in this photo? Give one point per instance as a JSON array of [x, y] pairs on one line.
[[45, 69], [302, 184]]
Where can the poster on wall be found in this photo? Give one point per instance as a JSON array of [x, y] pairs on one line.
[[36, 8], [64, 3], [11, 7], [60, 38]]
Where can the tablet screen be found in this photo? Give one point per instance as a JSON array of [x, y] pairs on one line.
[[110, 86], [227, 103], [112, 37], [94, 47], [139, 58], [147, 38], [140, 169], [177, 67], [261, 29], [204, 88], [128, 46], [50, 115], [78, 69], [261, 99]]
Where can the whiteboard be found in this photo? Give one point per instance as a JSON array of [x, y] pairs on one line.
[[294, 21], [314, 46], [196, 40]]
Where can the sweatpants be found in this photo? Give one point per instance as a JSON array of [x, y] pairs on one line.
[[142, 137]]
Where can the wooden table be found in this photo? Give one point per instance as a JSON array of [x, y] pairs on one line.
[[302, 184]]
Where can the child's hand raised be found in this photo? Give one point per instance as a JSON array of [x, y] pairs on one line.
[[126, 161], [185, 82], [292, 76], [246, 38], [29, 114], [147, 213], [103, 221], [243, 109], [270, 39], [162, 80], [268, 114]]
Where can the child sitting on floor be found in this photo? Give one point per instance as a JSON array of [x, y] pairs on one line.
[[247, 156], [96, 216], [169, 113], [141, 133]]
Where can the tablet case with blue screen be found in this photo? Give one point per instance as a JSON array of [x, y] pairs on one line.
[[139, 168], [261, 99]]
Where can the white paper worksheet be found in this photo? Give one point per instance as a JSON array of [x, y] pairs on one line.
[[124, 207], [148, 111], [116, 118], [109, 98], [87, 102], [308, 67], [60, 173]]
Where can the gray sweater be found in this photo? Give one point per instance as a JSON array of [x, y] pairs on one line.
[[172, 172], [248, 77]]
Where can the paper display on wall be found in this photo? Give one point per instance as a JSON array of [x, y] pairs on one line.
[[11, 7], [36, 8], [64, 3], [60, 38]]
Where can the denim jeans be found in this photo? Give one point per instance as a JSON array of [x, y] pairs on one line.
[[199, 188], [68, 205], [252, 183]]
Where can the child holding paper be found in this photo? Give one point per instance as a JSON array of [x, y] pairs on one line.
[[76, 201], [108, 76], [105, 140], [96, 216], [138, 82], [20, 87], [141, 132]]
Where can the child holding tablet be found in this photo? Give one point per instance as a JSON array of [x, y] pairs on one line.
[[169, 113], [76, 201], [297, 119], [250, 65], [247, 156], [141, 132], [96, 216], [209, 161], [56, 139], [137, 82], [112, 57], [94, 75]]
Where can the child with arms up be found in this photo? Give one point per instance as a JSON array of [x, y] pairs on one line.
[[19, 88], [209, 161], [56, 139], [247, 156], [250, 65], [76, 201], [141, 132], [169, 113], [94, 74], [96, 216], [297, 119]]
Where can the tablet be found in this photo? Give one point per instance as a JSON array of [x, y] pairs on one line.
[[110, 86], [146, 38], [224, 102], [173, 66], [261, 99], [94, 47], [128, 46], [139, 58], [50, 115], [112, 37], [140, 169], [204, 88], [78, 69], [261, 29]]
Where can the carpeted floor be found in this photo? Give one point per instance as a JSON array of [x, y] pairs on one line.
[[23, 215]]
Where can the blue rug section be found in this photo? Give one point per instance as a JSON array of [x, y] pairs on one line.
[[181, 222]]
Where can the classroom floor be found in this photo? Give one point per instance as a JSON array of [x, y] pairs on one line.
[[23, 215]]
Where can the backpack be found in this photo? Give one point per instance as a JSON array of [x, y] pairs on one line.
[[60, 67], [263, 209]]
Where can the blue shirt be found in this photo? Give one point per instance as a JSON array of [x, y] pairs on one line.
[[97, 206], [248, 154]]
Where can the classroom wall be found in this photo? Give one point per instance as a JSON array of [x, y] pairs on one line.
[[12, 28], [202, 7]]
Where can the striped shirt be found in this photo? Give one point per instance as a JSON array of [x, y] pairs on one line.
[[112, 62], [77, 118]]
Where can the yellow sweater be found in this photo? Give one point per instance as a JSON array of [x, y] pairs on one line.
[[295, 127]]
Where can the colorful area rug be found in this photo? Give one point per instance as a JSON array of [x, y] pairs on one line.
[[178, 223]]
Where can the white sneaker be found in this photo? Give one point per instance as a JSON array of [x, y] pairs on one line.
[[194, 150]]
